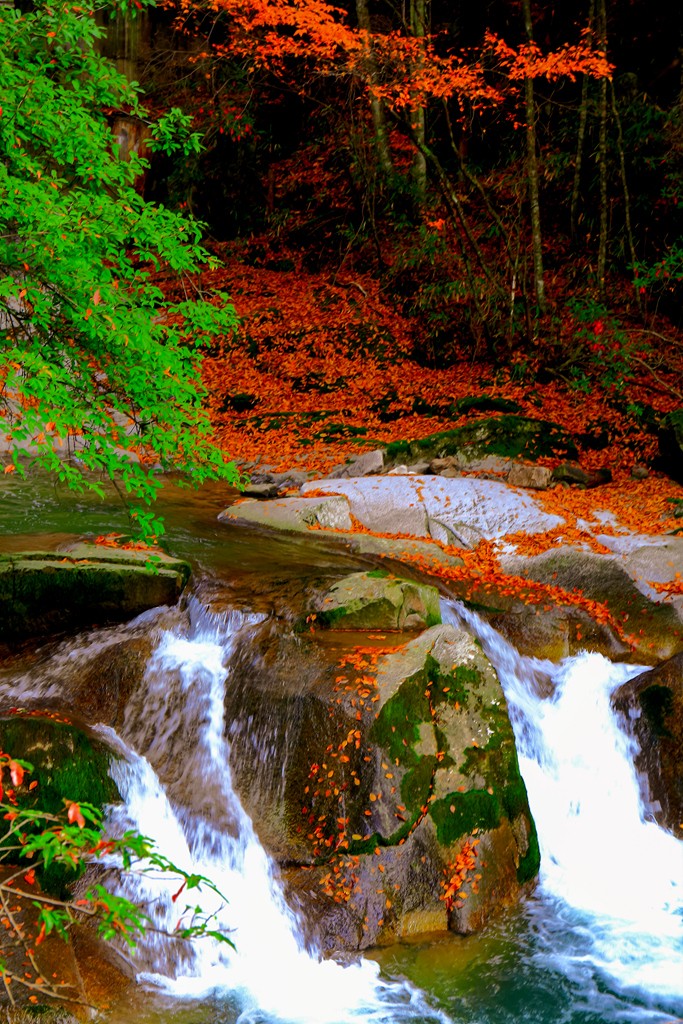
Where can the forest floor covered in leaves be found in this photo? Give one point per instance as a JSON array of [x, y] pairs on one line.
[[342, 350]]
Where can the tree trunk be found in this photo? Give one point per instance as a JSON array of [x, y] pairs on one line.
[[602, 157], [581, 139], [419, 14], [376, 109], [627, 194], [533, 183]]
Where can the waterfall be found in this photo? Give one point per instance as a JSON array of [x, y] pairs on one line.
[[196, 819], [607, 915], [613, 879]]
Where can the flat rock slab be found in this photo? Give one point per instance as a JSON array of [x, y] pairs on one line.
[[457, 511], [377, 600], [293, 514], [142, 557], [42, 592]]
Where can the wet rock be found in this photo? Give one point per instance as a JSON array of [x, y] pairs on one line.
[[573, 473], [262, 490], [105, 683], [397, 798], [619, 582], [524, 475], [108, 977], [559, 631], [640, 472], [86, 584], [378, 600], [53, 958], [652, 708], [296, 514]]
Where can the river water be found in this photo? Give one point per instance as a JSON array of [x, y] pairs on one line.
[[601, 939]]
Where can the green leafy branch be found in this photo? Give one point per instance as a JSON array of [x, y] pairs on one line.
[[100, 369], [74, 839]]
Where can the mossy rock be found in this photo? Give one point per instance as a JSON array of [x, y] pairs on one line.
[[448, 728], [69, 764], [44, 592], [378, 600], [508, 436], [399, 784]]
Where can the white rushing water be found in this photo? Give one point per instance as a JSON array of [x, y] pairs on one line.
[[614, 878], [270, 972]]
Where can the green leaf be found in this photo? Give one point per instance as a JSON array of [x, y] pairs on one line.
[[96, 362]]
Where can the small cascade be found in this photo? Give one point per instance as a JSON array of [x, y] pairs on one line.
[[196, 819], [608, 913], [613, 879]]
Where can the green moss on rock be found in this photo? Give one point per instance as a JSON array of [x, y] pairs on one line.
[[43, 592], [377, 600], [508, 436], [68, 765], [397, 728], [530, 863], [416, 784], [459, 814]]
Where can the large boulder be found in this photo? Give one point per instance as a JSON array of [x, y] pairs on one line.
[[507, 436], [458, 511], [69, 763], [652, 708], [619, 583], [378, 600], [391, 793], [49, 591]]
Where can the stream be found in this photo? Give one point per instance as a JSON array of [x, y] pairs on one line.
[[601, 938]]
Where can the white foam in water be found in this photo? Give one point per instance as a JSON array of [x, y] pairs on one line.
[[597, 852], [599, 856], [271, 971]]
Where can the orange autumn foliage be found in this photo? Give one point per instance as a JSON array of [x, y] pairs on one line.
[[402, 70], [459, 873], [327, 371]]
